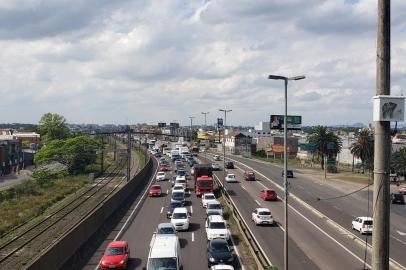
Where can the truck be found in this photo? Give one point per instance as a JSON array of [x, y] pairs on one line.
[[203, 179], [164, 253]]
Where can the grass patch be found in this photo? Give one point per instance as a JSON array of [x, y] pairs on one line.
[[141, 156], [35, 200]]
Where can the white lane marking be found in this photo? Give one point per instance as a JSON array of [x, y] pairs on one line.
[[193, 236], [401, 233], [133, 211], [243, 187], [162, 209], [167, 191], [398, 240], [191, 209], [338, 208], [257, 202], [236, 251]]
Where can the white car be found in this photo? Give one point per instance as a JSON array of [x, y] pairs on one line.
[[362, 224], [215, 206], [180, 219], [262, 216], [160, 176], [222, 267], [217, 157], [192, 171], [208, 197], [230, 178], [216, 227], [181, 180], [178, 187]]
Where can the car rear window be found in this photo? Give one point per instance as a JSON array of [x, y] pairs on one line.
[[214, 206], [112, 251], [264, 213], [210, 197], [368, 222], [217, 225], [179, 216]]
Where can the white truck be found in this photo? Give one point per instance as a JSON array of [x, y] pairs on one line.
[[164, 253]]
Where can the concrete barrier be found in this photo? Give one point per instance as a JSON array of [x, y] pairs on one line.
[[66, 246]]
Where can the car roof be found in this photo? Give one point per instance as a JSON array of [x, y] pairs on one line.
[[180, 210], [213, 202], [206, 194], [165, 225], [222, 267], [164, 246], [219, 240], [117, 244], [229, 174], [365, 218], [161, 172], [178, 185], [216, 218], [263, 209]]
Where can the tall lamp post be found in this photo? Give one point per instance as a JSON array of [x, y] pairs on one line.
[[205, 129], [191, 130], [224, 142], [285, 161]]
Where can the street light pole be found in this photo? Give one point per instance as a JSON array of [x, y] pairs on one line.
[[224, 142], [205, 129], [285, 164], [191, 130]]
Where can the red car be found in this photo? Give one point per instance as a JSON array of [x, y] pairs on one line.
[[155, 190], [268, 195], [163, 168], [116, 255]]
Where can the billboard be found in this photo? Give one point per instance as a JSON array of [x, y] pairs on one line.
[[220, 123], [161, 125], [174, 125], [294, 122]]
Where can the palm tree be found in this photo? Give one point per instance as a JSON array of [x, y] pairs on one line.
[[363, 148], [398, 162], [320, 136]]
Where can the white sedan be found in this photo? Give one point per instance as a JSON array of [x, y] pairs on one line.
[[230, 178], [160, 176], [262, 216], [208, 197]]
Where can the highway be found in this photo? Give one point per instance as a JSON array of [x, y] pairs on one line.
[[147, 215], [320, 243]]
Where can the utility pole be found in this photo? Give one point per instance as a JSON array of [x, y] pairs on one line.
[[191, 130], [205, 130], [128, 153], [381, 197], [102, 156], [224, 142]]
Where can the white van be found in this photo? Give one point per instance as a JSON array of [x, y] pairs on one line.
[[174, 153], [164, 252]]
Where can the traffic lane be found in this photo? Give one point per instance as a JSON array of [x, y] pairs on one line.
[[329, 255], [341, 212], [304, 234], [270, 238]]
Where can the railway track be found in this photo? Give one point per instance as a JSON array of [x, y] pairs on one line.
[[24, 246]]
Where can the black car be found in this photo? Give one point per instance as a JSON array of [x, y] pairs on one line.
[[289, 174], [229, 165], [171, 207], [397, 198], [180, 172], [218, 251]]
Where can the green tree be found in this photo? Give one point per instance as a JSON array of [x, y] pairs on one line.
[[398, 162], [76, 153], [363, 148], [52, 126], [321, 137]]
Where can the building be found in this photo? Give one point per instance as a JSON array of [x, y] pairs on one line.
[[273, 145], [10, 154], [29, 140], [237, 143]]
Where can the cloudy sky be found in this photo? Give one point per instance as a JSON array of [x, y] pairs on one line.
[[104, 61]]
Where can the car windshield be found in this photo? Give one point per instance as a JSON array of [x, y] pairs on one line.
[[368, 222], [166, 230], [179, 216], [178, 188], [182, 181], [181, 173], [162, 264], [231, 176], [264, 213], [220, 247], [161, 173], [174, 205], [214, 206], [155, 188], [178, 195], [217, 225], [209, 197], [112, 251], [204, 183], [270, 192]]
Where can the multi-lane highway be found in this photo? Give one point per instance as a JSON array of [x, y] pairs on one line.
[[320, 231], [142, 220]]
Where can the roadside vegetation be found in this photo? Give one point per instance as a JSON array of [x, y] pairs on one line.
[[63, 167]]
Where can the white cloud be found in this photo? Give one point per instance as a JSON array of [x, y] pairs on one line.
[[105, 61]]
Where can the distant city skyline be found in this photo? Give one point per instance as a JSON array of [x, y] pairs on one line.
[[148, 61]]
